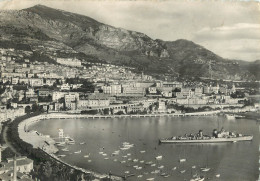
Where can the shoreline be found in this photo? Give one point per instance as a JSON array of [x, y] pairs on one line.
[[50, 148], [40, 140], [65, 115]]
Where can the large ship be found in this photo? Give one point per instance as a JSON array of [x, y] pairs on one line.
[[217, 137]]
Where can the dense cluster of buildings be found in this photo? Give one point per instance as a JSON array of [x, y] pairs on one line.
[[16, 169], [27, 85]]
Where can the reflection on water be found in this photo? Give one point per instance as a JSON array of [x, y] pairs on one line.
[[104, 149]]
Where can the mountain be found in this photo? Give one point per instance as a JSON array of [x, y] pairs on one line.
[[49, 33]]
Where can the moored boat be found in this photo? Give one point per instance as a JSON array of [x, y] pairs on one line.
[[77, 151]]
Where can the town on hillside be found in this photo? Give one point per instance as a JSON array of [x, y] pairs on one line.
[[72, 87]]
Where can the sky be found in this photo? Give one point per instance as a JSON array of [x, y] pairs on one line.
[[230, 29]]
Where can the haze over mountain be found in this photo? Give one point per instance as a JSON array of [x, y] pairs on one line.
[[50, 33]]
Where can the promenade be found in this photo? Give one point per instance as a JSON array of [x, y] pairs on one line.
[[80, 116]]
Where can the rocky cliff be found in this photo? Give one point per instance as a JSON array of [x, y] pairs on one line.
[[44, 26]]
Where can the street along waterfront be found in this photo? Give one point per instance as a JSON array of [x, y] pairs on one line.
[[100, 139]]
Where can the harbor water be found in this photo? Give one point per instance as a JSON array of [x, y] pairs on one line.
[[98, 139]]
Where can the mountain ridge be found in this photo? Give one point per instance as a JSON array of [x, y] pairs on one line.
[[81, 34]]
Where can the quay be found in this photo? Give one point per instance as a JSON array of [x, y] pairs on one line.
[[79, 116]]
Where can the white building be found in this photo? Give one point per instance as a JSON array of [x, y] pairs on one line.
[[57, 95], [112, 89], [69, 61]]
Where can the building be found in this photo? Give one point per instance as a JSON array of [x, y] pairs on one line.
[[161, 106], [71, 101], [16, 168], [133, 90], [71, 97], [152, 90], [15, 80], [167, 93], [112, 89], [30, 93], [69, 61], [65, 87], [35, 82], [56, 95], [93, 103], [198, 91]]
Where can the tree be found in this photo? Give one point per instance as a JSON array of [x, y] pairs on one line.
[[27, 109], [106, 111]]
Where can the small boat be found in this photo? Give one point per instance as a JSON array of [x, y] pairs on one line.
[[124, 148], [89, 161], [174, 168], [142, 161], [198, 178], [230, 116], [140, 176], [182, 160], [61, 156], [158, 157], [163, 174], [128, 154], [77, 151], [143, 151], [104, 154], [161, 167], [127, 172], [115, 153], [157, 171], [193, 166], [86, 156], [115, 160], [106, 158], [239, 116], [129, 159], [149, 163], [123, 161], [71, 143], [101, 152], [65, 149], [135, 166], [124, 156], [218, 175], [205, 169], [150, 179], [166, 176], [135, 160], [182, 171], [153, 165], [138, 168], [61, 144], [82, 143]]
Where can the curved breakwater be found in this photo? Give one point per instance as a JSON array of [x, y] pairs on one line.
[[47, 144]]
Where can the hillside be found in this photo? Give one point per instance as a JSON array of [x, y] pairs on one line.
[[52, 32]]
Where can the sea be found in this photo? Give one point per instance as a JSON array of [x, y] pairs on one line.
[[135, 144]]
